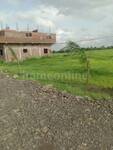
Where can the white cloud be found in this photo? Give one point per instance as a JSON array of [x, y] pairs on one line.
[[70, 19], [41, 17], [14, 1], [85, 19]]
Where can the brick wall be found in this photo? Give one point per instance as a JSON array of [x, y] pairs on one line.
[[32, 51], [34, 35]]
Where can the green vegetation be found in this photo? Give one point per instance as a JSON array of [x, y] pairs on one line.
[[70, 47], [66, 72]]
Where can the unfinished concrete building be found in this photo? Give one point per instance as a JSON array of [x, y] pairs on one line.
[[21, 45]]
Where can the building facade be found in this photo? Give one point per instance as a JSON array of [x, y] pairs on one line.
[[21, 45]]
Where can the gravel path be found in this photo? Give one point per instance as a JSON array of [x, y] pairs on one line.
[[33, 117]]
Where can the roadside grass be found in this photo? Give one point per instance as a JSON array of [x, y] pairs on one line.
[[66, 73]]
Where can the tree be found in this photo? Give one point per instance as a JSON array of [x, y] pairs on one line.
[[71, 47], [82, 56], [85, 60]]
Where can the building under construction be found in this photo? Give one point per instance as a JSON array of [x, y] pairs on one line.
[[21, 45]]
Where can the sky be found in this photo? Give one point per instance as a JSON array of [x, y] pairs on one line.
[[77, 20]]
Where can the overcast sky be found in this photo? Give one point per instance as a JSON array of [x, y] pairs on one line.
[[69, 19]]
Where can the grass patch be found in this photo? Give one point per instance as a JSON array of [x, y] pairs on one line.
[[65, 72]]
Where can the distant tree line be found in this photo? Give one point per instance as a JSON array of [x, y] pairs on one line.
[[74, 47], [98, 48]]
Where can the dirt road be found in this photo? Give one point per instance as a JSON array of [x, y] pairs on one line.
[[33, 117]]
